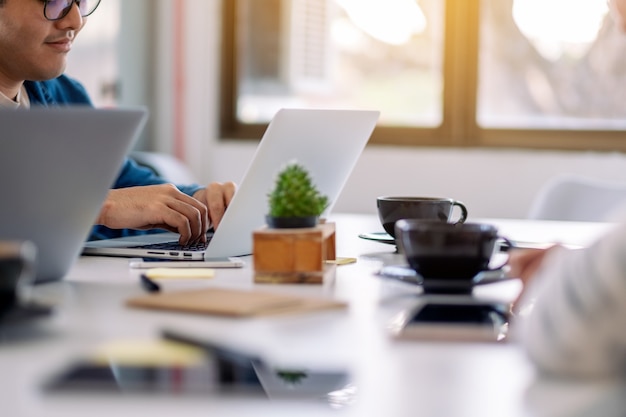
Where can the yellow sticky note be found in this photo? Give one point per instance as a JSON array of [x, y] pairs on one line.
[[147, 353], [180, 273], [341, 261]]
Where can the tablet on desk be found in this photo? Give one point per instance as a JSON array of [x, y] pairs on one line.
[[181, 366], [226, 262], [157, 367]]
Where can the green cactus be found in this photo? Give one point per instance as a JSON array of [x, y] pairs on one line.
[[292, 377], [295, 195]]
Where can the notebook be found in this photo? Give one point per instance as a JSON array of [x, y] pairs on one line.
[[57, 167], [327, 143], [233, 303]]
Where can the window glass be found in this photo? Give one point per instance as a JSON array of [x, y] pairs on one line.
[[385, 55], [551, 64], [93, 59]]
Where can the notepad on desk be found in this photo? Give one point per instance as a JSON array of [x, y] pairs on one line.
[[233, 303], [175, 273]]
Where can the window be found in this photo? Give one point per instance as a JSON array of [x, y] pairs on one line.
[[501, 73], [552, 74], [93, 60]]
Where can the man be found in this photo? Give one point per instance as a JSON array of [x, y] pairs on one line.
[[35, 38], [578, 297]]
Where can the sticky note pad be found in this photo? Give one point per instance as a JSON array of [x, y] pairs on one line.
[[180, 273], [341, 261], [147, 353]]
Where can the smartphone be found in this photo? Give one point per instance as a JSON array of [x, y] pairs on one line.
[[466, 320], [144, 263]]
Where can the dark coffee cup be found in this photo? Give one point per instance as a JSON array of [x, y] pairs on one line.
[[17, 266], [392, 209], [447, 256]]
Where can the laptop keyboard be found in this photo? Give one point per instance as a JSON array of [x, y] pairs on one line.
[[175, 246]]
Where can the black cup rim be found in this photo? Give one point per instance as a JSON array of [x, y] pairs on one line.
[[430, 224], [396, 199]]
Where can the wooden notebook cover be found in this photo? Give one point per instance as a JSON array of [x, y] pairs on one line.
[[228, 302]]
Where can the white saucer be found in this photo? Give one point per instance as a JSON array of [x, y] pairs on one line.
[[381, 237], [406, 274]]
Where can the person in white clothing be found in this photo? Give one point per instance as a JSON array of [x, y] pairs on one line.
[[576, 302], [573, 307]]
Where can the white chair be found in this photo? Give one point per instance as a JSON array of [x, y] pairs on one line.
[[578, 198], [166, 166]]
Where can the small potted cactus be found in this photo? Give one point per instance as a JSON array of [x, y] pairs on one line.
[[295, 201]]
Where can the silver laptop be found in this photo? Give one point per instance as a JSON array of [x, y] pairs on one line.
[[57, 167], [327, 142]]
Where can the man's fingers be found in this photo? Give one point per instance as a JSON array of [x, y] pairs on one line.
[[191, 221], [218, 196], [164, 206]]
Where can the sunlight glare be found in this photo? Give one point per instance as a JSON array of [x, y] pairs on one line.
[[549, 23], [390, 21]]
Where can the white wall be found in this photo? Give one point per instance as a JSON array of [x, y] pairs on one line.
[[492, 183]]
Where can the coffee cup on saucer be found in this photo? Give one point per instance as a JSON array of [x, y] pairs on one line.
[[17, 266], [391, 209], [448, 257]]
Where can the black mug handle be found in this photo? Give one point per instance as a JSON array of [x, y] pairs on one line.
[[463, 216], [507, 243]]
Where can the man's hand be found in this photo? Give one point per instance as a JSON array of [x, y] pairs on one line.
[[523, 264], [157, 206], [216, 196]]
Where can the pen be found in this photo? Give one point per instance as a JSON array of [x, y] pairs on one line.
[[149, 285]]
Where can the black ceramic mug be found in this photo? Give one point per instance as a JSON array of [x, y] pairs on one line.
[[447, 256], [17, 266], [392, 209]]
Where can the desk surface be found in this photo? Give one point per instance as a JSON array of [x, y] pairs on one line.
[[391, 378]]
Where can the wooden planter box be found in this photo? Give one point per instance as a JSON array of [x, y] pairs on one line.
[[293, 255]]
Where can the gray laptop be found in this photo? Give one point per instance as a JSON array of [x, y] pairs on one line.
[[327, 142], [57, 167]]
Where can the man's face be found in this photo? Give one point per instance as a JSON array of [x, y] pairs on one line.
[[32, 47]]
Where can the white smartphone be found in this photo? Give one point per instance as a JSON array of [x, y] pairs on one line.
[[145, 263], [461, 321]]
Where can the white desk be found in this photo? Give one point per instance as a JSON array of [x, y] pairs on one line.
[[392, 378]]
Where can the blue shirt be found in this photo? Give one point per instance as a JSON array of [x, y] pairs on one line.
[[64, 91]]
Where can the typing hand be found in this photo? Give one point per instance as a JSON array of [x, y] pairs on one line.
[[156, 206], [216, 196]]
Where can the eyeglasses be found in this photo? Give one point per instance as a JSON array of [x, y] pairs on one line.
[[58, 9]]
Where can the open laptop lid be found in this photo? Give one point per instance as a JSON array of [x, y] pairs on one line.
[[57, 167], [327, 142]]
